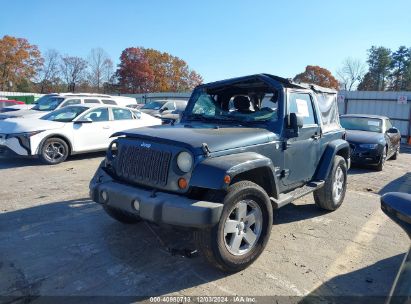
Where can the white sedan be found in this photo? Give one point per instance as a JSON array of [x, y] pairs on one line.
[[70, 130]]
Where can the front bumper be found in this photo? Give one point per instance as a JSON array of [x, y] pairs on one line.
[[366, 157], [158, 207]]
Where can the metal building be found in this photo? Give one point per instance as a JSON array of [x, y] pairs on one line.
[[395, 105]]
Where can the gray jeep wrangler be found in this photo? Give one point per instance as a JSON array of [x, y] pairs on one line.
[[243, 148]]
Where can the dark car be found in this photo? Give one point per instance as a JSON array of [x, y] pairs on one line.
[[398, 207], [372, 138], [243, 147]]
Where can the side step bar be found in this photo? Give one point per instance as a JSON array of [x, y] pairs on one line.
[[287, 198]]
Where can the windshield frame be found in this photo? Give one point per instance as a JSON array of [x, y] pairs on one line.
[[272, 124]]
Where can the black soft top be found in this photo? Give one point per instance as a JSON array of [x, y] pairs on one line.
[[268, 78]]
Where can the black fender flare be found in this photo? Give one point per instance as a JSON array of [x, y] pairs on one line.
[[210, 173], [57, 136], [335, 147]]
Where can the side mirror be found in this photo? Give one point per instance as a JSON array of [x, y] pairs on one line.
[[83, 121], [397, 206], [392, 130], [295, 121]]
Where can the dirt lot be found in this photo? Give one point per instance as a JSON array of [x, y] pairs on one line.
[[55, 241]]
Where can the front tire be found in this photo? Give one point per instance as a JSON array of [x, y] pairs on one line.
[[54, 151], [331, 196], [243, 230], [380, 165]]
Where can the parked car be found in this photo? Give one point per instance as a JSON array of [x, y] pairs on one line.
[[8, 102], [171, 111], [221, 170], [51, 102], [153, 107], [372, 138], [69, 130], [398, 207]]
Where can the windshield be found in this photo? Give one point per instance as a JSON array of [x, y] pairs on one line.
[[48, 103], [362, 124], [153, 105], [244, 108], [66, 114]]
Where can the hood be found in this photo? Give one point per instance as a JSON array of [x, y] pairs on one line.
[[18, 125], [23, 114], [217, 138], [364, 137]]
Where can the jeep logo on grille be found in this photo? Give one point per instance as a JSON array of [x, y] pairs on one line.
[[146, 145]]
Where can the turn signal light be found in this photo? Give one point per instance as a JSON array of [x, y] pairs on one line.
[[227, 179], [182, 183]]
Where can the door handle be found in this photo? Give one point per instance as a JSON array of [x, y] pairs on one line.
[[106, 127]]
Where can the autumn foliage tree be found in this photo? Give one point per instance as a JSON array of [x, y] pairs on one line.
[[144, 70], [319, 76], [19, 61]]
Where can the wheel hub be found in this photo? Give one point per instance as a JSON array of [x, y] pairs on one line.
[[242, 227]]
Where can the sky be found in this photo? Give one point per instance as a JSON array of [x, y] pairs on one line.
[[218, 39]]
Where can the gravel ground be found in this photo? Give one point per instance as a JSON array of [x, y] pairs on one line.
[[55, 242]]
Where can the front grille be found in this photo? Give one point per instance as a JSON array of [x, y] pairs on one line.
[[140, 164], [2, 150]]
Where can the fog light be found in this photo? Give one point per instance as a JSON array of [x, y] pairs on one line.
[[182, 183], [136, 205], [104, 195]]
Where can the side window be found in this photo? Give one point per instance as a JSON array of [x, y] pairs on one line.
[[71, 102], [301, 103], [121, 114], [97, 115], [91, 101], [109, 101]]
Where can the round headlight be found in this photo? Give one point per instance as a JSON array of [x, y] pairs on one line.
[[184, 161]]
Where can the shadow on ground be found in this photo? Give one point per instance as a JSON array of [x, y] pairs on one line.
[[336, 289], [74, 248], [401, 184], [16, 162]]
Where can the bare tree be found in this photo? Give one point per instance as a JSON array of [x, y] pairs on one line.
[[351, 73], [100, 64], [73, 70], [48, 75]]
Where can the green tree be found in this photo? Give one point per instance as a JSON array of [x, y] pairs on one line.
[[400, 69], [379, 62]]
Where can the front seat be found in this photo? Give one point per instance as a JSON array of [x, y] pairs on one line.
[[242, 104], [94, 117]]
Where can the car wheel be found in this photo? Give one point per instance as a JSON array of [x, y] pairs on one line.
[[380, 165], [395, 156], [331, 195], [54, 151], [243, 230], [121, 216]]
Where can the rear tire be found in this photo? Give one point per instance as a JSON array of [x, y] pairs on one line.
[[331, 195], [243, 230], [121, 216], [395, 156], [54, 151]]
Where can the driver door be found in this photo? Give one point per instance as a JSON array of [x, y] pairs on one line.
[[301, 155], [94, 134]]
